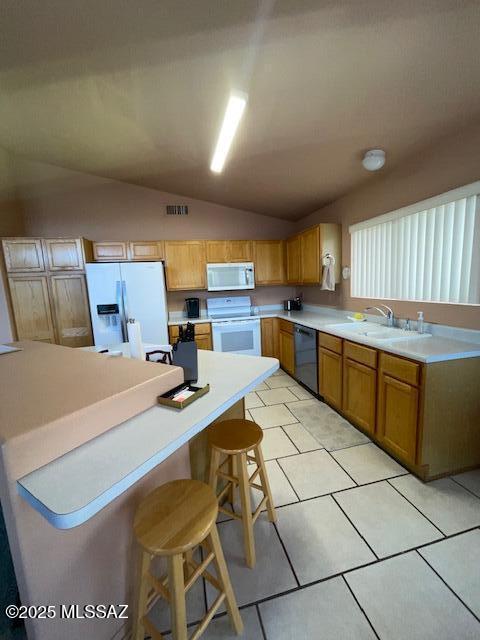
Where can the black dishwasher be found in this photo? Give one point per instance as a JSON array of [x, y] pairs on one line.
[[306, 356]]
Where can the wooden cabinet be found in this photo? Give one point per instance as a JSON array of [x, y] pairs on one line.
[[31, 307], [64, 254], [110, 251], [269, 329], [293, 260], [269, 259], [310, 272], [330, 375], [23, 255], [286, 346], [185, 265], [70, 305], [203, 334], [397, 423], [229, 250], [145, 250], [359, 394]]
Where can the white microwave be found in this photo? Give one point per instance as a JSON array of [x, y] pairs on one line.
[[230, 276]]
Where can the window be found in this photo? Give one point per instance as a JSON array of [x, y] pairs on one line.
[[429, 251]]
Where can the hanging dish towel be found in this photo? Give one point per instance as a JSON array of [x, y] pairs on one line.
[[328, 277]]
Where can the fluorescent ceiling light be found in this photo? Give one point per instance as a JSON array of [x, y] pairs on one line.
[[231, 120]]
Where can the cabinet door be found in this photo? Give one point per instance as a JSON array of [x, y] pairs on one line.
[[110, 251], [23, 255], [239, 250], [310, 256], [269, 259], [330, 377], [146, 250], [398, 417], [293, 260], [204, 342], [185, 265], [71, 310], [287, 354], [269, 329], [31, 308], [359, 394], [217, 251], [64, 254]]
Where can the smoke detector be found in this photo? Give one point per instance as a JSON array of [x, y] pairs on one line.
[[374, 159]]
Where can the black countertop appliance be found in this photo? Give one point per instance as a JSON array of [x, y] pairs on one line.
[[193, 307], [295, 304]]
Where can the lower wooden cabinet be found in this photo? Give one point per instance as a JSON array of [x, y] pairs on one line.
[[203, 334], [359, 394], [269, 328], [71, 311], [397, 418], [330, 368], [204, 342], [286, 351], [31, 308]]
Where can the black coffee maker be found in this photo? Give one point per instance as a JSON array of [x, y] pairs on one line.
[[193, 307]]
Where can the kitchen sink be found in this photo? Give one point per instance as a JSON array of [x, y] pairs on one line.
[[377, 332]]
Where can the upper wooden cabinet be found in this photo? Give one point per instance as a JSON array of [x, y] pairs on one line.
[[229, 250], [110, 251], [269, 259], [31, 307], [145, 250], [293, 260], [65, 254], [70, 307], [23, 255], [306, 251], [185, 264]]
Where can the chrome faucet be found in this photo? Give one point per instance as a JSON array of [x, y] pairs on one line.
[[388, 314]]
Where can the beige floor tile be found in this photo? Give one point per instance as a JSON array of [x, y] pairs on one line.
[[457, 560], [261, 387], [301, 438], [282, 491], [368, 463], [314, 474], [451, 507], [276, 444], [275, 382], [276, 396], [470, 480], [319, 539], [300, 392], [405, 600], [327, 611], [273, 416], [387, 522], [221, 628], [272, 573], [252, 400]]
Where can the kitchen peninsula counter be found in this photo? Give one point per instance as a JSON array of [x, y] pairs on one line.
[[85, 467]]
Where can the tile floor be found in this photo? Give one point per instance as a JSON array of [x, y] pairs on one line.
[[362, 550]]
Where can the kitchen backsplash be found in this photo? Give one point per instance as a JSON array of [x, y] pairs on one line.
[[260, 296]]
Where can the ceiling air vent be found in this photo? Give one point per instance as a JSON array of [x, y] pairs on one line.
[[177, 210]]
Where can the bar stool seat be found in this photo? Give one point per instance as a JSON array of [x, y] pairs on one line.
[[172, 521], [235, 439]]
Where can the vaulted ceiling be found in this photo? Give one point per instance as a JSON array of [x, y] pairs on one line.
[[136, 90]]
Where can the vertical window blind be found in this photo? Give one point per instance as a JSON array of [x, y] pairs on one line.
[[431, 254]]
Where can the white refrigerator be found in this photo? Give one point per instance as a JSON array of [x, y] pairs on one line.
[[118, 291]]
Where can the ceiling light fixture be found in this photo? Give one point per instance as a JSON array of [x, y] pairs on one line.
[[374, 159], [231, 120]]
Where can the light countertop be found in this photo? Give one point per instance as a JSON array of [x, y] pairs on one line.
[[446, 343], [73, 488]]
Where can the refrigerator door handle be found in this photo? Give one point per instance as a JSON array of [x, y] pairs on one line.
[[125, 301], [121, 309]]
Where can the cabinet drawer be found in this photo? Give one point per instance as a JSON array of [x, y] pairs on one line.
[[285, 325], [330, 342], [361, 354], [404, 370]]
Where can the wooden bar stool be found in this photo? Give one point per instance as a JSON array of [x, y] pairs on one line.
[[172, 521], [235, 439]]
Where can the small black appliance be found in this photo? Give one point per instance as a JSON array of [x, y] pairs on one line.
[[193, 307], [295, 304]]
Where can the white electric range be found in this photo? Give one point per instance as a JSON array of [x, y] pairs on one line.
[[234, 328]]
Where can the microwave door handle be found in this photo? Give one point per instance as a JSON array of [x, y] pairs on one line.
[[247, 276]]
